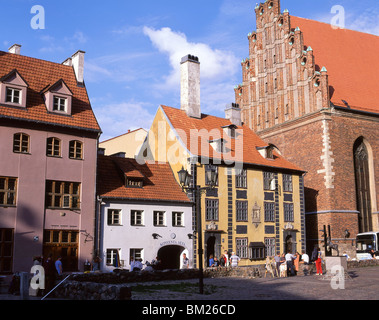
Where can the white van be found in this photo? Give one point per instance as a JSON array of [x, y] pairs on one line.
[[366, 242]]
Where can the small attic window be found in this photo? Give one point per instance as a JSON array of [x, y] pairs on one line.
[[13, 89], [134, 183], [218, 145], [304, 61], [292, 41], [266, 152], [280, 22], [230, 130], [270, 5], [58, 98]]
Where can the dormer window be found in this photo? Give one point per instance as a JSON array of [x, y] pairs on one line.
[[134, 183], [230, 130], [59, 104], [218, 145], [266, 152], [58, 98], [13, 95], [13, 90]]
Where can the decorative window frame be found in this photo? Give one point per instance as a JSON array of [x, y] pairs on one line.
[[58, 90], [13, 80]]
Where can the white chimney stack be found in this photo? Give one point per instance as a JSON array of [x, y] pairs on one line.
[[233, 113], [190, 86], [15, 49], [77, 61]]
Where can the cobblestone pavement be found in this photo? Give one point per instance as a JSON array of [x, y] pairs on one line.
[[361, 284]]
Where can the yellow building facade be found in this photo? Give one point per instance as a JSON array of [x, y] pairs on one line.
[[256, 208]]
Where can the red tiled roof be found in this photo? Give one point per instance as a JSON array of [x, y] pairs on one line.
[[158, 180], [40, 74], [351, 59], [242, 149]]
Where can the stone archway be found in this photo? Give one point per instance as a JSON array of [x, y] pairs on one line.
[[170, 256]]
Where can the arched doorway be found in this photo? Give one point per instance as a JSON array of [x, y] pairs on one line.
[[362, 182], [170, 256]]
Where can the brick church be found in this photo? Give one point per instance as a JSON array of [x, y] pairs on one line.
[[312, 91]]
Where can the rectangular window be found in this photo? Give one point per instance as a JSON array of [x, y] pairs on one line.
[[210, 167], [59, 104], [241, 210], [8, 191], [6, 250], [75, 150], [241, 248], [211, 209], [241, 179], [159, 218], [136, 254], [288, 212], [270, 246], [113, 256], [177, 219], [21, 143], [269, 211], [136, 217], [53, 147], [287, 183], [13, 95], [268, 181], [114, 217], [257, 252], [64, 195]]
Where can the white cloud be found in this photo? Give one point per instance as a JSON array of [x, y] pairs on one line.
[[118, 118], [216, 65]]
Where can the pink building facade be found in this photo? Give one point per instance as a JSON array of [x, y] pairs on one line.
[[48, 151]]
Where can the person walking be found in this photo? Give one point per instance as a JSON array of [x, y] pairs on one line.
[[58, 266], [319, 262], [185, 264]]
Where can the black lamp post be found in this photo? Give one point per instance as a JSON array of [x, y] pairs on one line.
[[184, 179]]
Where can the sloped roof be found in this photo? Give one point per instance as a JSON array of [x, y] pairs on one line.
[[351, 60], [40, 74], [243, 148], [158, 180]]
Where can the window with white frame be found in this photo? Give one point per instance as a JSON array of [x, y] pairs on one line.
[[268, 181], [288, 212], [136, 254], [159, 218], [114, 217], [270, 246], [13, 95], [59, 104], [211, 209], [241, 178], [287, 183], [241, 248], [177, 219], [113, 256], [241, 210], [269, 211], [136, 218]]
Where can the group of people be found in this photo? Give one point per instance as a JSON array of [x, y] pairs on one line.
[[292, 261], [225, 260]]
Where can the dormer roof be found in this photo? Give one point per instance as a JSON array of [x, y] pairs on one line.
[[39, 75]]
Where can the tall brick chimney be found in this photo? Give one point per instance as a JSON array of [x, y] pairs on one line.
[[190, 86]]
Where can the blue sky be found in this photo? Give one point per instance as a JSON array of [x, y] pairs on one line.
[[133, 48]]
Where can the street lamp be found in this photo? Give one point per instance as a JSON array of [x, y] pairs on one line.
[[184, 180]]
